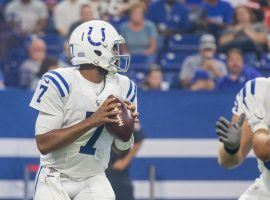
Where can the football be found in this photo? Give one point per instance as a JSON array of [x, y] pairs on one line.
[[124, 129]]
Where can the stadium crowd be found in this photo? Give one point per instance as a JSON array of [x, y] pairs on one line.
[[184, 44]]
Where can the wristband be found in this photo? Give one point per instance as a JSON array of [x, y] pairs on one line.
[[231, 151], [124, 145]]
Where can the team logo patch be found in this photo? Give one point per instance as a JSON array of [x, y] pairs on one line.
[[91, 41]]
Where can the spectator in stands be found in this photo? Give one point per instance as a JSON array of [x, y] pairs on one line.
[[154, 80], [143, 30], [219, 14], [116, 7], [245, 33], [38, 63], [238, 72], [170, 16], [50, 28], [86, 15], [119, 165], [66, 13], [2, 80], [30, 16], [199, 72]]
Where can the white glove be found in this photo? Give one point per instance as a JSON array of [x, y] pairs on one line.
[[124, 145], [255, 114]]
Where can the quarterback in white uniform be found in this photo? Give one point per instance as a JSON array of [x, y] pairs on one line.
[[249, 130], [73, 107]]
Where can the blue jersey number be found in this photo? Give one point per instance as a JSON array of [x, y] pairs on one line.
[[43, 90], [267, 165], [89, 147]]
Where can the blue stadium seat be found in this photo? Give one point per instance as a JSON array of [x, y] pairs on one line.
[[183, 42], [138, 59], [139, 62], [265, 61], [11, 65], [171, 77], [173, 60], [54, 44], [250, 58], [196, 2], [4, 2]]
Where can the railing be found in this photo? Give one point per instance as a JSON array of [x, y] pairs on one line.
[[28, 170]]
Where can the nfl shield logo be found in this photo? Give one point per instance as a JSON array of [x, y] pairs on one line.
[[98, 102]]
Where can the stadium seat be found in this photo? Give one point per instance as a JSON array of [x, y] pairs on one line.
[[194, 2], [173, 60], [139, 62], [183, 42], [250, 58], [171, 77], [54, 44], [265, 61]]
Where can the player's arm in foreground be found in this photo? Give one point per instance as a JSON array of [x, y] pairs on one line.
[[258, 124], [236, 138], [235, 135], [58, 138], [238, 141]]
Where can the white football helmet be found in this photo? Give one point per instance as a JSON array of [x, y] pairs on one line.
[[97, 42]]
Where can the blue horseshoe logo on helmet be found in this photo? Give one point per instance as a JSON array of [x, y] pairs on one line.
[[91, 41]]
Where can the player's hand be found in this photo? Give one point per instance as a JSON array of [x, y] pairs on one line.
[[255, 113], [120, 164], [133, 110], [105, 113], [230, 134]]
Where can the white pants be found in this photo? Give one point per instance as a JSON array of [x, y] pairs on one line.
[[257, 191], [51, 185]]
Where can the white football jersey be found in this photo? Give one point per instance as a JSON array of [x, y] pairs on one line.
[[64, 92], [259, 88]]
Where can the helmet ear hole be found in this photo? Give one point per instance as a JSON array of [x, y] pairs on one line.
[[98, 53]]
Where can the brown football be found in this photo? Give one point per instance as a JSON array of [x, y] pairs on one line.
[[124, 129]]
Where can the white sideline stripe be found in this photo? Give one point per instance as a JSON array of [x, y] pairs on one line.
[[173, 147], [192, 189], [18, 147], [163, 189]]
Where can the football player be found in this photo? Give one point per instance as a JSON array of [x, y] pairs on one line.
[[73, 107], [248, 129]]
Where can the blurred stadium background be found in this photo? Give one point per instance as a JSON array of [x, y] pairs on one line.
[[189, 59]]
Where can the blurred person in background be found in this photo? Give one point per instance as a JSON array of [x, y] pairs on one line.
[[119, 165], [116, 7], [27, 16], [170, 16], [155, 80], [86, 15], [66, 13], [199, 72], [238, 72], [245, 33], [140, 34], [2, 80], [219, 14], [36, 65], [50, 27], [236, 3]]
